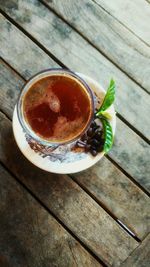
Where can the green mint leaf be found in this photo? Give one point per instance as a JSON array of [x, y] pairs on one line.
[[108, 134], [109, 98]]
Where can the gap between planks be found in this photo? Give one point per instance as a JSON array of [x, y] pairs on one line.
[[91, 43], [126, 228], [121, 224], [33, 39], [13, 69], [53, 215], [107, 156], [133, 128], [29, 72], [134, 258], [57, 209], [46, 203], [64, 66], [98, 4], [127, 174]]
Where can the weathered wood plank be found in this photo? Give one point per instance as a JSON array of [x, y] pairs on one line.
[[135, 140], [132, 153], [101, 179], [81, 214], [16, 47], [115, 265], [30, 236], [109, 36], [124, 199], [140, 256], [9, 96], [135, 15], [78, 55]]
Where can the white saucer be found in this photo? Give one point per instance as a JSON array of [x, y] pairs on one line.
[[62, 160]]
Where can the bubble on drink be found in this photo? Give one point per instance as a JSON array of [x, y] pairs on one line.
[[53, 101]]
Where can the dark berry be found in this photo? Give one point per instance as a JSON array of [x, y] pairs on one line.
[[87, 147], [93, 147], [94, 142], [94, 152], [95, 127], [93, 124], [89, 140], [98, 135], [90, 132], [84, 137], [80, 144]]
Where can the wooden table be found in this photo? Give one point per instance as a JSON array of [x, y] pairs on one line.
[[99, 217]]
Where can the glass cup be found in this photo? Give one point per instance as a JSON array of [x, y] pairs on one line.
[[20, 112]]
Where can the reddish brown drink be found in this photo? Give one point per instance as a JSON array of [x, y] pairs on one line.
[[57, 108]]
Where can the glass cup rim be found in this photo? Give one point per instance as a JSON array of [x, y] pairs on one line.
[[38, 76]]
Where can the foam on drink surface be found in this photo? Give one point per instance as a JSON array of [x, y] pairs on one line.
[[57, 108]]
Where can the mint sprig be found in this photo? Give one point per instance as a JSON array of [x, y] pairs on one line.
[[108, 99], [107, 102], [108, 134]]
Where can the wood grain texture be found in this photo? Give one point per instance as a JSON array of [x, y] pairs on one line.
[[9, 96], [78, 55], [15, 47], [135, 15], [112, 188], [119, 239], [138, 168], [102, 179], [30, 236], [132, 153], [109, 36], [140, 256], [82, 215]]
